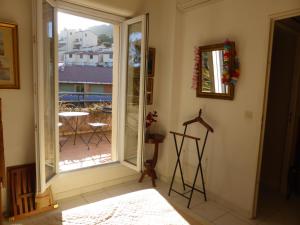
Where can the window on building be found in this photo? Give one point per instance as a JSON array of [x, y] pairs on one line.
[[79, 87], [70, 55], [81, 56], [91, 56]]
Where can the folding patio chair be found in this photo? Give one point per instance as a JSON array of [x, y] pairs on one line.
[[98, 131]]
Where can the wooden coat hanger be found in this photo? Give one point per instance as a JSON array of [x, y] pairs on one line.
[[178, 149], [199, 120]]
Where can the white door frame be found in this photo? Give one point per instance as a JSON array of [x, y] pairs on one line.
[[143, 70], [37, 34], [38, 68]]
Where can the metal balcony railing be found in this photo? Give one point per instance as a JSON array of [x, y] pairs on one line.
[[84, 97]]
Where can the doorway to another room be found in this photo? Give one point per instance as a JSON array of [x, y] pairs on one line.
[[279, 190]]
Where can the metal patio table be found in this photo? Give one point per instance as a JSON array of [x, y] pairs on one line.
[[67, 116]]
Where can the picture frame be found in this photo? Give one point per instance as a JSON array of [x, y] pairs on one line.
[[9, 56], [150, 77], [149, 90], [151, 62]]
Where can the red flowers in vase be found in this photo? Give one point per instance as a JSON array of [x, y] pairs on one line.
[[150, 118]]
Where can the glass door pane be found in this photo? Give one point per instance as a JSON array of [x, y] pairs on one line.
[[132, 92], [49, 91], [134, 106]]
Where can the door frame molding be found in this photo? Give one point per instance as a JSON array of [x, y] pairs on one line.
[[123, 89], [37, 40], [272, 19]]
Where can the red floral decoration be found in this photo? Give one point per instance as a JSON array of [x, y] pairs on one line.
[[150, 118], [196, 68], [230, 75]]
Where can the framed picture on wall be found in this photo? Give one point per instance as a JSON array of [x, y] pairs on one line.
[[151, 62], [149, 90], [9, 56]]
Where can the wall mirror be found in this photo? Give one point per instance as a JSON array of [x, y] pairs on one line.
[[211, 69]]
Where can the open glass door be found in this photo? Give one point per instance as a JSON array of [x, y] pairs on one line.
[[45, 93], [133, 75]]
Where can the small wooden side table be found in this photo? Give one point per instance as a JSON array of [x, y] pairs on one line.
[[151, 163]]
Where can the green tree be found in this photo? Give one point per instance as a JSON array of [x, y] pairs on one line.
[[103, 38]]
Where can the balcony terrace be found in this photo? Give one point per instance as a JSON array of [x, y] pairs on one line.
[[87, 145]]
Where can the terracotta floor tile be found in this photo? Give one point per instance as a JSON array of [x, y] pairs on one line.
[[79, 155]]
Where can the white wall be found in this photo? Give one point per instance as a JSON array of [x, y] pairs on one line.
[[232, 151], [17, 108], [91, 39], [18, 104], [162, 32]]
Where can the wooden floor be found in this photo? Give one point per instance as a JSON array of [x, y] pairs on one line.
[[78, 155]]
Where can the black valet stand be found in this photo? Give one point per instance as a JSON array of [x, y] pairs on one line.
[[198, 119]]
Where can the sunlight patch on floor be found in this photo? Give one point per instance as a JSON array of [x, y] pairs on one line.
[[94, 160], [139, 207]]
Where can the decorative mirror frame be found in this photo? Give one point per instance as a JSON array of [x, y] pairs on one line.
[[200, 93]]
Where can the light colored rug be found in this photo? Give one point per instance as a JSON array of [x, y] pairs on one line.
[[144, 207]]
